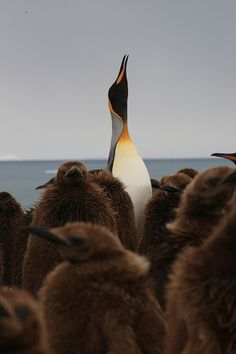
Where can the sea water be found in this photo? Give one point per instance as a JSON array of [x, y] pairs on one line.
[[20, 178]]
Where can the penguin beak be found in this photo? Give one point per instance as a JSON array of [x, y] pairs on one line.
[[168, 188], [43, 233], [231, 178], [74, 172], [45, 185], [225, 155], [122, 71], [118, 93]]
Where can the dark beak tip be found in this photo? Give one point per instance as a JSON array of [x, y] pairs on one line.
[[74, 172], [168, 188], [42, 232]]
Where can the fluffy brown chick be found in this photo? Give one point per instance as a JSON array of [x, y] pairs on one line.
[[101, 296], [73, 197], [204, 202], [22, 330], [11, 243], [201, 304], [158, 212]]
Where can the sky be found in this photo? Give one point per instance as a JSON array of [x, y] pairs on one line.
[[59, 58]]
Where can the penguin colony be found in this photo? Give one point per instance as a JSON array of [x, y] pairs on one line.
[[105, 263]]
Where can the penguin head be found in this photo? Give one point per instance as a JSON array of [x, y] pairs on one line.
[[71, 174], [225, 155], [118, 93], [210, 192], [188, 171], [79, 242], [175, 183], [20, 320]]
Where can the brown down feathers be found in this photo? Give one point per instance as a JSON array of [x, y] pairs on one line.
[[70, 199], [101, 297], [158, 212], [203, 283]]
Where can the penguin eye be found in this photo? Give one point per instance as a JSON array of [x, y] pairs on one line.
[[79, 242]]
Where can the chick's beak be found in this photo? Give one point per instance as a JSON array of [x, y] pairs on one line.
[[74, 172], [168, 188]]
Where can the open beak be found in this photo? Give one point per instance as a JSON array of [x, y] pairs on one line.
[[122, 71]]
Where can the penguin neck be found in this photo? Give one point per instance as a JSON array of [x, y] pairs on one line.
[[119, 132]]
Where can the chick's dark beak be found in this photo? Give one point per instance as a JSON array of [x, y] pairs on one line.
[[168, 188], [74, 172], [44, 233]]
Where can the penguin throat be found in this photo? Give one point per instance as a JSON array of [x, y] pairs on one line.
[[119, 134]]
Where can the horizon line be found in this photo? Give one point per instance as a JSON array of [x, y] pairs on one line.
[[101, 159]]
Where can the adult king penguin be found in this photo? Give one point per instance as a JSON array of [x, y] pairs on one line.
[[124, 159]]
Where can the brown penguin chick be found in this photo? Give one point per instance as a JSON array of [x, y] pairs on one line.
[[204, 202], [11, 242], [22, 330], [202, 205], [158, 212], [122, 204], [74, 197], [201, 295], [189, 171], [101, 295]]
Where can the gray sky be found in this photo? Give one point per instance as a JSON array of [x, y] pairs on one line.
[[59, 59]]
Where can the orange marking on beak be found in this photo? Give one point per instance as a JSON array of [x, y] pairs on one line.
[[120, 76], [232, 158]]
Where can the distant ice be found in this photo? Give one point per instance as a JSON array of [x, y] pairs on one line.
[[50, 172], [8, 157]]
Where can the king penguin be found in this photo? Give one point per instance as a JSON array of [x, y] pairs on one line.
[[124, 159]]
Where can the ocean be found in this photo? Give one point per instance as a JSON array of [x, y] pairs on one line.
[[20, 178]]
